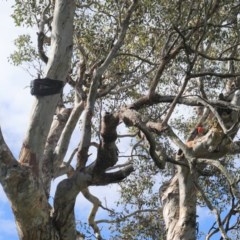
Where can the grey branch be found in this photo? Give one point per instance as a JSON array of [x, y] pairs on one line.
[[91, 219], [7, 159], [117, 220], [132, 118], [122, 34], [214, 210], [64, 140]]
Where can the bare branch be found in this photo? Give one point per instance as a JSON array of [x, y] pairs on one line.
[[188, 100], [137, 57], [164, 61], [213, 209], [91, 219], [113, 177], [124, 26], [63, 142], [119, 166], [41, 36], [220, 57], [7, 159], [132, 118], [124, 217], [171, 109], [214, 74], [219, 166], [128, 135], [58, 124], [65, 167], [108, 89]]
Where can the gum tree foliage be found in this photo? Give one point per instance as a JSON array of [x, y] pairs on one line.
[[167, 71]]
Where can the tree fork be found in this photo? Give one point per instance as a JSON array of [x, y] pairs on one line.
[[30, 206]]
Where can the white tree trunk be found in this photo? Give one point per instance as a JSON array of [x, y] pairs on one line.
[[22, 181], [179, 206]]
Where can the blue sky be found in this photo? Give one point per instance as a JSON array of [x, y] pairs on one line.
[[15, 106]]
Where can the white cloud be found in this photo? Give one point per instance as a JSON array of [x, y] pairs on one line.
[[15, 99]]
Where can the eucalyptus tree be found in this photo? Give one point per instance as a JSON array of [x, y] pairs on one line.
[[165, 70]]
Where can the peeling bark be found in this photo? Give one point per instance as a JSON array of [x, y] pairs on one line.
[[179, 206], [186, 226], [64, 201], [57, 68], [169, 195], [23, 182], [48, 169]]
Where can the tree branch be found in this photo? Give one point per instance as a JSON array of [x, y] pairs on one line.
[[63, 142], [213, 209], [124, 217], [7, 159], [220, 75], [164, 61], [232, 182], [66, 167], [173, 104], [132, 118], [124, 26], [57, 68], [91, 219], [64, 201], [187, 100], [113, 177], [58, 124]]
